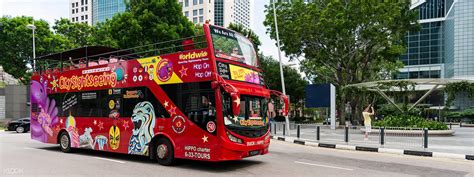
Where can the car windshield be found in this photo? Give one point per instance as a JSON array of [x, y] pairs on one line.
[[253, 112], [233, 46]]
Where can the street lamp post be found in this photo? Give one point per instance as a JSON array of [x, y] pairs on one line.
[[33, 28], [287, 127]]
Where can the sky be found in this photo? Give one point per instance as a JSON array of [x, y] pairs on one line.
[[50, 10]]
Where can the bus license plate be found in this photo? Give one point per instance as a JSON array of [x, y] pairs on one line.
[[252, 153]]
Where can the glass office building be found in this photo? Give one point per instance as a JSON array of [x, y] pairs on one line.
[[444, 46], [425, 54], [459, 57], [106, 9]]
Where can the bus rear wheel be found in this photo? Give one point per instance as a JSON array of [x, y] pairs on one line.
[[65, 142], [164, 152]]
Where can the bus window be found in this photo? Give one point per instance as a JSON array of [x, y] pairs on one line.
[[87, 104], [196, 100]]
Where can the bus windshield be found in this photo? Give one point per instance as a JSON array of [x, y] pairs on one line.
[[252, 117], [233, 46]]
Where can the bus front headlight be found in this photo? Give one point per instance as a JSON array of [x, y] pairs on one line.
[[233, 138]]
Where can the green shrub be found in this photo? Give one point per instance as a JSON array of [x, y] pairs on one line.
[[279, 118], [389, 109], [410, 121]]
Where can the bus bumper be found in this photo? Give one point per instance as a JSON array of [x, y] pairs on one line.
[[235, 151]]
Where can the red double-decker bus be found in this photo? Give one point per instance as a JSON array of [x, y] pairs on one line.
[[200, 98]]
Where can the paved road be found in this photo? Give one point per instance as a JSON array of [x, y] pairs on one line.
[[21, 156]]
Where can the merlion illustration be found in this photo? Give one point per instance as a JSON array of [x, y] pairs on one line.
[[143, 119]]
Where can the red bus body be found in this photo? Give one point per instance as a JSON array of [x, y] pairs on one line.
[[105, 92]]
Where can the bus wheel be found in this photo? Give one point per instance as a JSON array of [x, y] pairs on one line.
[[164, 152], [65, 142]]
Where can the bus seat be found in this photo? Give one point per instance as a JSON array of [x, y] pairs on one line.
[[113, 59], [188, 44], [103, 62], [93, 63]]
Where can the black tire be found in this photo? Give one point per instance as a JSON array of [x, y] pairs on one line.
[[20, 129], [167, 158], [66, 147]]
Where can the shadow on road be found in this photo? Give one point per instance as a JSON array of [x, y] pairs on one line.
[[181, 163]]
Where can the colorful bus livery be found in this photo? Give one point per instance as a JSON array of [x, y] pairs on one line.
[[173, 102]]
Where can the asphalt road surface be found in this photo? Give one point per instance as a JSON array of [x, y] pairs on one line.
[[21, 156]]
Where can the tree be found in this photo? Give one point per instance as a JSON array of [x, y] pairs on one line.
[[294, 82], [144, 23], [343, 42], [16, 47], [78, 34]]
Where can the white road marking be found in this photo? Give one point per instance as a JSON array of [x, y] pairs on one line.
[[327, 166], [30, 148], [100, 158]]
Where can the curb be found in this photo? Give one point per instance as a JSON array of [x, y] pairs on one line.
[[374, 149]]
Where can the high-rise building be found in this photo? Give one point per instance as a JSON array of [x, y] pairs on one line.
[[80, 11], [425, 55], [106, 9], [444, 46], [217, 12]]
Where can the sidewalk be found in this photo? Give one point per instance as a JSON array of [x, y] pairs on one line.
[[462, 142], [375, 149]]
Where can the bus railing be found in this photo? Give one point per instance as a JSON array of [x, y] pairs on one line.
[[45, 65]]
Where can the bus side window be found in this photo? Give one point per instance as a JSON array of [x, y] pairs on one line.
[[87, 106], [160, 111]]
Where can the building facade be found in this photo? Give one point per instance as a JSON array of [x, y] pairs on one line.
[[106, 9], [80, 11], [217, 12], [425, 54], [444, 46]]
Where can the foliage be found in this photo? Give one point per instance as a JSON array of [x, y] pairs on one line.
[[224, 44], [294, 83], [389, 109], [279, 118], [146, 22], [77, 34], [16, 46], [454, 88], [459, 115], [143, 23], [410, 121], [344, 42], [302, 119], [399, 90], [468, 113]]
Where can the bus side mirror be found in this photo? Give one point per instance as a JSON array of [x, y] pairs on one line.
[[219, 82], [284, 100], [235, 104], [286, 103]]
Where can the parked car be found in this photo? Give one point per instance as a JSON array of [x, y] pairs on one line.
[[19, 125]]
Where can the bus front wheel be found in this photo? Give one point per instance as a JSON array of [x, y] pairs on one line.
[[164, 152], [65, 142]]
